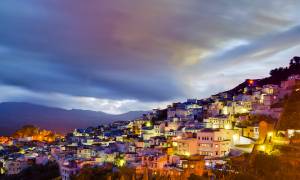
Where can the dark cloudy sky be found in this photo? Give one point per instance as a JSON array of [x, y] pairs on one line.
[[121, 55]]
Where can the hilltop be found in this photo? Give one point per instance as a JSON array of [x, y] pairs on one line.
[[276, 76]]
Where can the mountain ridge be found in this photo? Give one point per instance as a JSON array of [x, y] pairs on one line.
[[14, 115]]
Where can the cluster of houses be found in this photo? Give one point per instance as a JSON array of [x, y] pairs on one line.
[[16, 155], [183, 139]]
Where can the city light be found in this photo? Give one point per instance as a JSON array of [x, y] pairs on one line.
[[235, 138], [227, 126], [262, 148], [251, 82], [149, 90], [270, 134], [121, 162], [148, 124]]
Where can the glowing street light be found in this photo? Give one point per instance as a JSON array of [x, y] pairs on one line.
[[148, 123], [270, 134]]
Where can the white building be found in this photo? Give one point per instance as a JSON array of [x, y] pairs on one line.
[[218, 122], [67, 169], [270, 89], [84, 153], [14, 166], [215, 142], [186, 146]]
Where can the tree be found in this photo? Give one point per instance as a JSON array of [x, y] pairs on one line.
[[196, 177], [264, 167], [290, 118], [94, 173]]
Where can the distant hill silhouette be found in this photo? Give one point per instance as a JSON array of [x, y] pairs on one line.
[[13, 115], [276, 76]]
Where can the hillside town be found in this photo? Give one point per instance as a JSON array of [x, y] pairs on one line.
[[195, 138]]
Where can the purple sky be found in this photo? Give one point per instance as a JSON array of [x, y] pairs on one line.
[[122, 55]]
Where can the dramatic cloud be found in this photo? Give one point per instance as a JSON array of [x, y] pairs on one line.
[[123, 55], [16, 94]]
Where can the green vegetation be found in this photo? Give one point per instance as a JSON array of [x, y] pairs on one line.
[[276, 76], [280, 74], [93, 173], [261, 166], [290, 118], [106, 172], [110, 172], [196, 177]]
